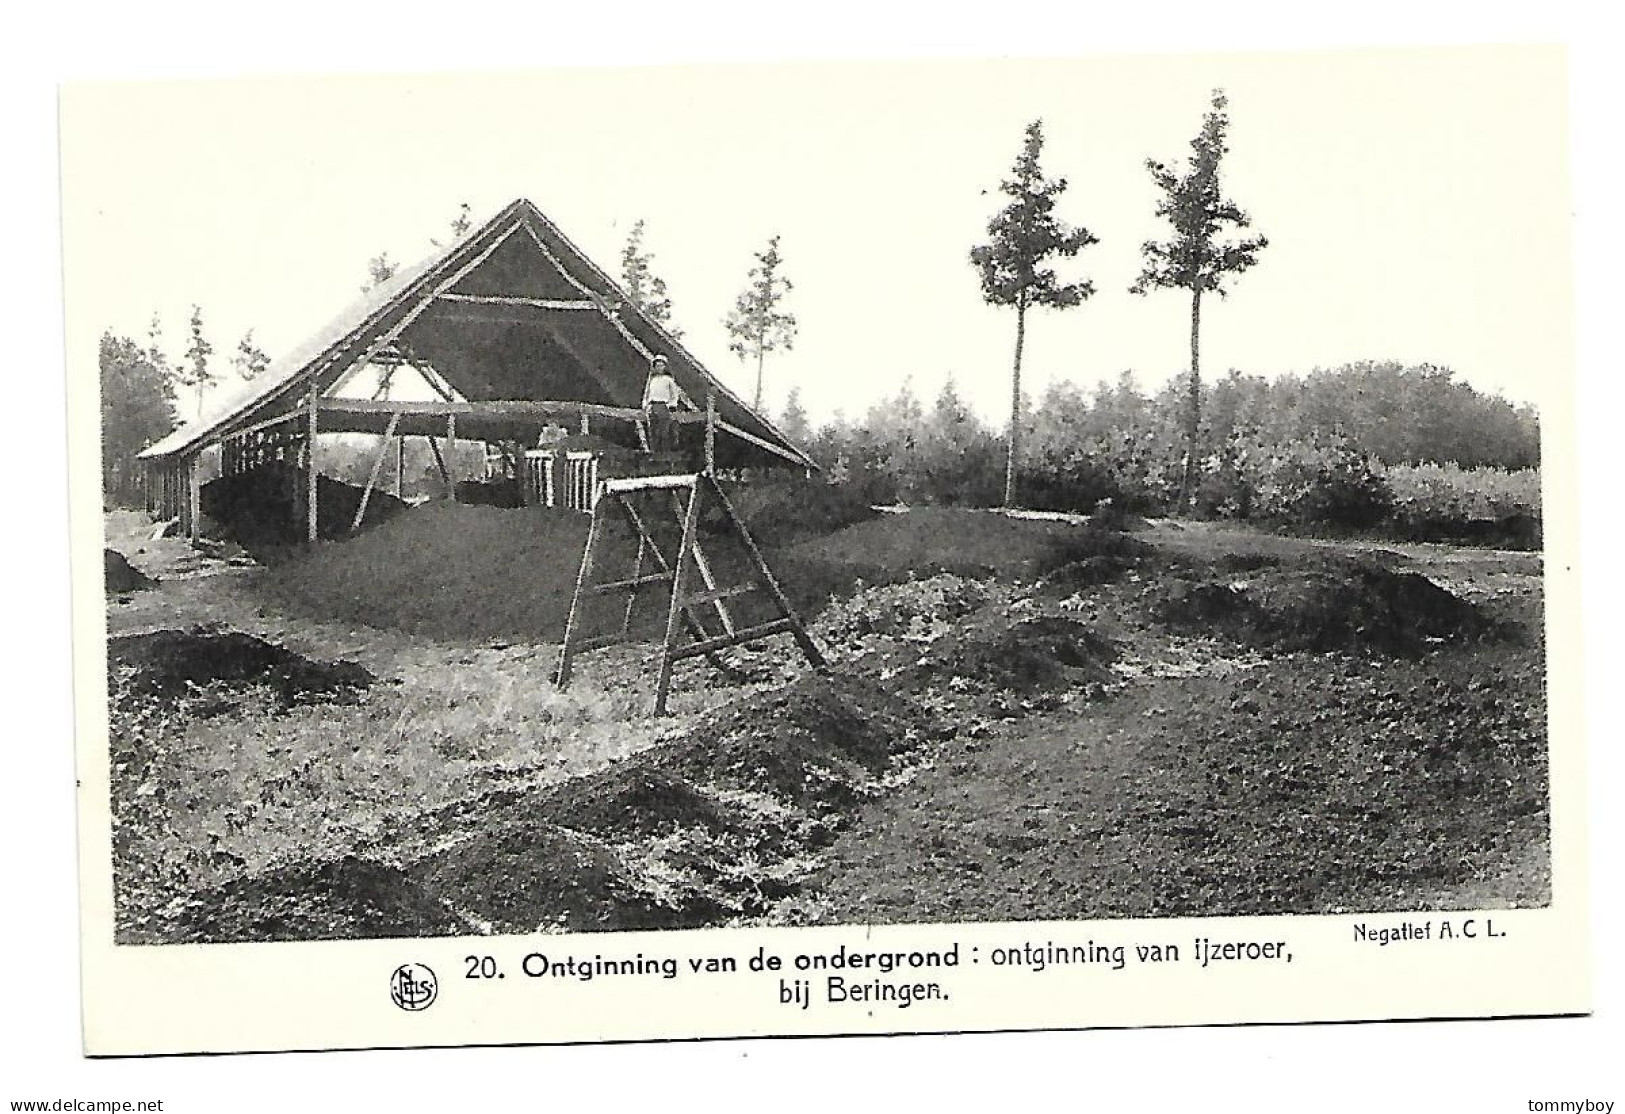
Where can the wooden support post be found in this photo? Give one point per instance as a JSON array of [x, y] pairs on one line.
[[440, 461], [574, 616], [194, 497], [400, 462], [710, 432], [691, 615], [679, 589], [377, 467], [310, 471], [451, 457], [700, 561], [808, 647], [637, 581]]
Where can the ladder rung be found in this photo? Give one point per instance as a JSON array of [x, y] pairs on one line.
[[716, 594], [647, 483], [598, 642], [632, 582], [722, 642]]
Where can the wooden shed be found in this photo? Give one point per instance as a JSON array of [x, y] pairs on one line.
[[524, 343]]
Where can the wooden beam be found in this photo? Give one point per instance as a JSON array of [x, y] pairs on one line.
[[710, 432], [726, 593], [702, 564], [809, 648], [291, 415], [310, 468], [451, 457], [646, 483], [512, 300], [761, 443], [679, 591], [633, 582], [506, 408], [377, 467], [785, 625], [194, 498], [440, 461], [572, 618]]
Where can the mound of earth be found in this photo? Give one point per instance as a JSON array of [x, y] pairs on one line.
[[121, 576], [817, 743], [630, 801], [1088, 572], [1038, 653], [346, 899], [259, 509], [939, 539], [522, 874], [167, 665], [1339, 605], [449, 571]]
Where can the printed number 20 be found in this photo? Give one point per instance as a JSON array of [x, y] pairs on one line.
[[481, 966]]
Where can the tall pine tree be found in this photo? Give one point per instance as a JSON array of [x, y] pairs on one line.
[[197, 373], [250, 359], [1014, 266], [757, 324], [1197, 257], [646, 289]]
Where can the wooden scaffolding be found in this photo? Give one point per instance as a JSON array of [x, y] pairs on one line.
[[687, 633]]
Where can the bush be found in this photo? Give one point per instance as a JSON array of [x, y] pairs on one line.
[[1330, 483], [1074, 484], [1444, 502]]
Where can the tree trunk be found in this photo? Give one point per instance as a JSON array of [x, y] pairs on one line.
[[1015, 409], [1193, 411], [761, 354]]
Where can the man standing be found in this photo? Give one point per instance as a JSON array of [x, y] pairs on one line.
[[660, 398]]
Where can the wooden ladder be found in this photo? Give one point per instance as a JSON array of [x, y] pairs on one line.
[[688, 608]]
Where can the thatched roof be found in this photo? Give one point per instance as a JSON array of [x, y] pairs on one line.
[[511, 312]]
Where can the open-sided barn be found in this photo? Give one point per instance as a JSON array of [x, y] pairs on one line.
[[523, 343]]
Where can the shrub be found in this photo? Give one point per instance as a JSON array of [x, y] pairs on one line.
[[1075, 483], [1329, 483], [1449, 503]]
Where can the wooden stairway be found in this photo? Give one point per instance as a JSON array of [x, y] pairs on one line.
[[689, 608]]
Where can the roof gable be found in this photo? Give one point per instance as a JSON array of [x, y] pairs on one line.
[[512, 311]]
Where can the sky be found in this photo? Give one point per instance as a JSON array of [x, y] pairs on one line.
[[1416, 204]]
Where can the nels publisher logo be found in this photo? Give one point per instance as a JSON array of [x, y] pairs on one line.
[[413, 987]]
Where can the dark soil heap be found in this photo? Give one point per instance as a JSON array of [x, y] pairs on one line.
[[446, 570], [939, 539], [258, 510], [347, 899], [167, 666], [815, 744], [1336, 605], [121, 576], [1042, 652], [702, 830]]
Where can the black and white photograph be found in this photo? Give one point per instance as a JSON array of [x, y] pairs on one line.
[[597, 501]]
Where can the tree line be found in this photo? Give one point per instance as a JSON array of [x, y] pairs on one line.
[[1224, 449], [1313, 447]]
